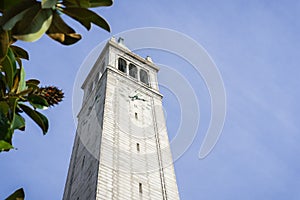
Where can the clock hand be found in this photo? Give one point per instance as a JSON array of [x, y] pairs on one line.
[[140, 99], [135, 97]]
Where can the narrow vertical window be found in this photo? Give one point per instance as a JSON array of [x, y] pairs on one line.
[[82, 164], [90, 89], [140, 188], [138, 147], [144, 77], [136, 115], [132, 70], [122, 65]]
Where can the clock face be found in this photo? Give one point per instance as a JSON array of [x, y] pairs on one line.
[[135, 111]]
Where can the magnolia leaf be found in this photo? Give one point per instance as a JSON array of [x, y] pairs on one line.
[[87, 3], [61, 32], [5, 146], [98, 3], [4, 107], [7, 4], [9, 73], [19, 81], [24, 93], [33, 25], [22, 83], [16, 13], [20, 52], [2, 84], [37, 101], [48, 3], [86, 17], [37, 117], [12, 58], [4, 126], [9, 68], [16, 82], [18, 123], [12, 102], [76, 3], [17, 195], [4, 122], [33, 82], [4, 42]]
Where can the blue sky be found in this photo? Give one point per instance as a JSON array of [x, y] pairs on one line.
[[255, 45]]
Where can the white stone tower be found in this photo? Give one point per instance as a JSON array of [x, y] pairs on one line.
[[121, 149]]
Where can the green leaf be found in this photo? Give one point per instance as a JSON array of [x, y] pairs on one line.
[[7, 4], [5, 146], [86, 17], [33, 82], [8, 71], [12, 102], [24, 93], [2, 85], [16, 13], [4, 42], [87, 3], [19, 81], [18, 123], [16, 82], [12, 58], [37, 117], [9, 68], [48, 3], [7, 116], [37, 101], [4, 107], [22, 83], [98, 3], [76, 3], [20, 52], [17, 195], [33, 25], [5, 132], [61, 32]]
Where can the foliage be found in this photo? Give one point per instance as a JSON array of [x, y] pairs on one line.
[[17, 195], [29, 20]]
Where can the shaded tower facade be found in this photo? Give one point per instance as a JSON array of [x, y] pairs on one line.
[[121, 148]]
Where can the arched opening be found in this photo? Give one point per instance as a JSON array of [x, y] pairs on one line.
[[122, 65], [132, 70], [144, 77]]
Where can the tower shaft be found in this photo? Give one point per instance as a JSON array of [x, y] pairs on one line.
[[121, 148]]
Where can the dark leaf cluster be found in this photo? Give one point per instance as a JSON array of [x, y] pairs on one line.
[[29, 20]]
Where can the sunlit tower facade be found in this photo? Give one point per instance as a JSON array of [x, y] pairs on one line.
[[121, 149]]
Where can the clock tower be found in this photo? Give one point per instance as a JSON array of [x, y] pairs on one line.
[[121, 149]]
